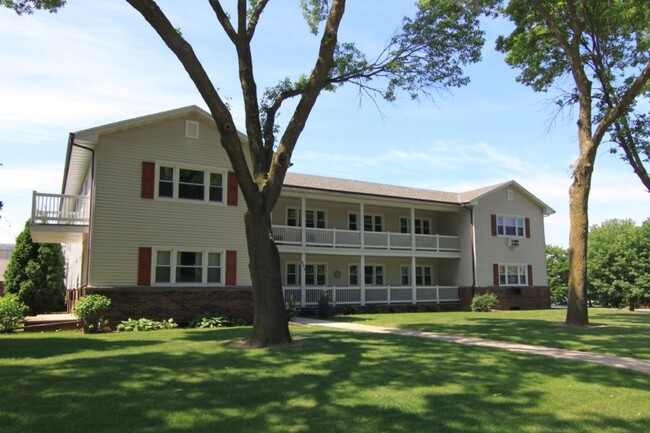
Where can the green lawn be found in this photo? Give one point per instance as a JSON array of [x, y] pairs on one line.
[[620, 332], [203, 381]]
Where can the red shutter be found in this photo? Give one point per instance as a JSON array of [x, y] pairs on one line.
[[494, 224], [530, 275], [144, 266], [233, 189], [231, 268], [495, 274], [527, 227], [148, 179]]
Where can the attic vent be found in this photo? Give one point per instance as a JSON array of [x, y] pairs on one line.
[[510, 195], [191, 129]]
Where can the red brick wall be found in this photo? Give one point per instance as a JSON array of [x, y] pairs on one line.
[[181, 304], [510, 298]]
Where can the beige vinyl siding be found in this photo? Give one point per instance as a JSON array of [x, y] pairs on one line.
[[494, 249], [457, 272], [73, 253], [123, 222]]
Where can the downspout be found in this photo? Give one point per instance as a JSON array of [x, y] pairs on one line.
[[71, 143]]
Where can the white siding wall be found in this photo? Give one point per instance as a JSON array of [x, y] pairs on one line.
[[494, 249], [123, 221], [74, 264]]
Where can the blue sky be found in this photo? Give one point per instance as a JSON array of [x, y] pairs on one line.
[[98, 62]]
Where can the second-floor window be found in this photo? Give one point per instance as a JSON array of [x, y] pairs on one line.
[[511, 226], [313, 218], [422, 226], [373, 223], [190, 184]]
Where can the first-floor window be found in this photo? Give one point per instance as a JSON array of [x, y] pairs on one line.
[[314, 274], [353, 275], [423, 275], [374, 275], [188, 267], [513, 275], [292, 276]]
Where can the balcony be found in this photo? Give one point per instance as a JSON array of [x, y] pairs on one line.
[[335, 238], [384, 295], [59, 218]]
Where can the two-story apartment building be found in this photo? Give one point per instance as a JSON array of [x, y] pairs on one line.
[[151, 215]]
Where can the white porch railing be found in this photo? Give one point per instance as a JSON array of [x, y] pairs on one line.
[[334, 238], [309, 296], [60, 209]]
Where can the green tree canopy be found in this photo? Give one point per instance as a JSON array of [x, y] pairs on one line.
[[35, 273], [557, 269], [619, 263], [597, 53]]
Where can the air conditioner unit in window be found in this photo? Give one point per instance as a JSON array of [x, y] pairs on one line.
[[513, 242]]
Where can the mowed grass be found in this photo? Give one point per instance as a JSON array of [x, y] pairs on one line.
[[614, 332], [330, 381]]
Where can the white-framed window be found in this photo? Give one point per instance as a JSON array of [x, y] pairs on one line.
[[513, 275], [508, 225], [353, 221], [374, 275], [315, 274], [422, 225], [187, 266], [190, 183], [373, 223], [353, 275], [315, 218], [292, 276], [423, 275]]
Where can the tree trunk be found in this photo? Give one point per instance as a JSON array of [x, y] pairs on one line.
[[577, 311], [270, 324]]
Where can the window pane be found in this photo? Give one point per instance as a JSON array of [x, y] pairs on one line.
[[214, 275], [352, 221], [403, 225], [214, 259], [163, 274], [163, 258], [426, 229], [166, 182], [188, 267], [216, 187], [191, 184], [167, 173]]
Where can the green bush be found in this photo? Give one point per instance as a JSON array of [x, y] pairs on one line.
[[324, 305], [212, 320], [292, 308], [90, 310], [12, 311], [484, 302], [145, 325]]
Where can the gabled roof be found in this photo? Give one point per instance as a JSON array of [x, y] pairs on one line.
[[321, 183]]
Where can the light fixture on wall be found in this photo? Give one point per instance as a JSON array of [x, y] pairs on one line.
[[337, 274]]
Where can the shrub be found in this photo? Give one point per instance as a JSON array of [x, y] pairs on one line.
[[12, 311], [324, 305], [145, 325], [484, 302], [292, 308], [212, 320], [90, 310]]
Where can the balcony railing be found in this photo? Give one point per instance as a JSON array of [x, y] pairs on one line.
[[60, 209], [334, 238], [309, 296]]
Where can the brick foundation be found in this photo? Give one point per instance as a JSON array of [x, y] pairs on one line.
[[181, 304], [510, 298]]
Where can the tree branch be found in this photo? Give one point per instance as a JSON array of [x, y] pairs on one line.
[[223, 19], [254, 18]]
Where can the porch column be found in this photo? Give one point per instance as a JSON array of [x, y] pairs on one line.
[[413, 245], [362, 278], [303, 289], [362, 229], [414, 289], [303, 220]]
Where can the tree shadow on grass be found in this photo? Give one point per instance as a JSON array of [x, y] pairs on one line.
[[189, 381]]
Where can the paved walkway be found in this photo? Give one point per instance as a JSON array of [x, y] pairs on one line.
[[640, 365]]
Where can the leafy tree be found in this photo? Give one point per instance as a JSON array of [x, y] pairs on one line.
[[598, 52], [557, 268], [427, 54], [619, 263], [35, 273]]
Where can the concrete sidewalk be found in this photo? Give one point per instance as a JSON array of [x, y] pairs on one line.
[[639, 365]]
